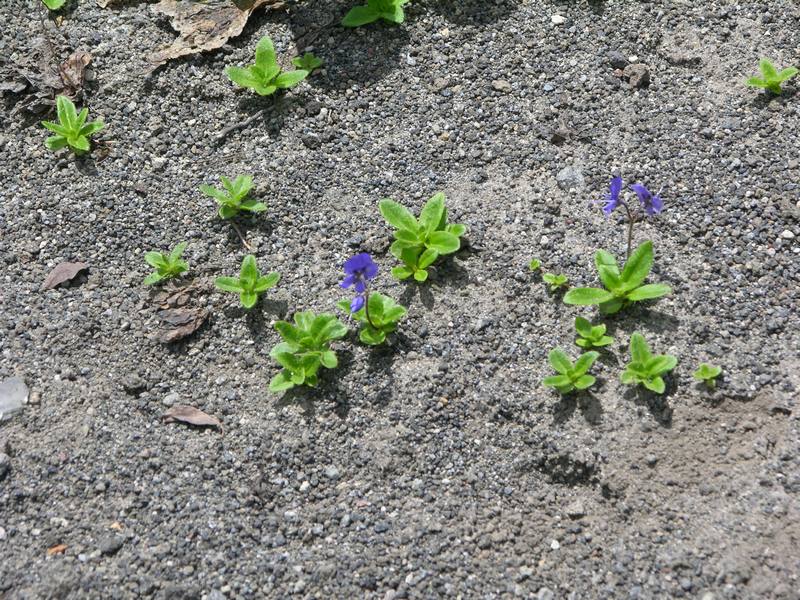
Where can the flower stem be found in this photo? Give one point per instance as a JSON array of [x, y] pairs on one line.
[[366, 310], [631, 222]]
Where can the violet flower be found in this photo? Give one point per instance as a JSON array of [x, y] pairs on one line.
[[651, 203], [358, 271]]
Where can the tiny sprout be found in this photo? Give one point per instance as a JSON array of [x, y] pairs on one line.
[[555, 281], [72, 129], [388, 10], [54, 4], [265, 77], [535, 264], [771, 79], [308, 62], [250, 283], [570, 376], [234, 199], [591, 336], [707, 374], [166, 266], [646, 368]]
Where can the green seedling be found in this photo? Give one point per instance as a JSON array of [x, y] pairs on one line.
[[373, 10], [265, 77], [72, 129], [305, 348], [645, 368], [555, 281], [166, 266], [622, 288], [418, 243], [308, 62], [771, 79], [54, 4], [708, 374], [250, 283], [591, 336], [382, 319], [233, 199], [535, 264], [570, 377]]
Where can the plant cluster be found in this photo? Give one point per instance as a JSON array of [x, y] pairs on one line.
[[771, 79], [570, 376], [72, 129], [234, 199], [167, 266], [250, 284], [265, 77], [375, 10]]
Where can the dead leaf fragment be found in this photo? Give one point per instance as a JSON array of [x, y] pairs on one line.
[[116, 525], [190, 415], [58, 549], [63, 272], [73, 72], [181, 323], [206, 25]]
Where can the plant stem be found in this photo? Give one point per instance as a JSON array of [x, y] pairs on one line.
[[241, 236], [366, 310], [631, 221]]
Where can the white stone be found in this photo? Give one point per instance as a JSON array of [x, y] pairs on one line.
[[558, 20]]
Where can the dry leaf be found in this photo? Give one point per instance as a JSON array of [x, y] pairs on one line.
[[73, 72], [63, 272], [181, 322], [204, 25], [59, 549], [116, 525], [190, 415]]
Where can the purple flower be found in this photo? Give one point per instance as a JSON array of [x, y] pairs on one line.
[[612, 199], [651, 203], [358, 271]]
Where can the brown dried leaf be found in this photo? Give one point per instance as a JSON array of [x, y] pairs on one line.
[[190, 415], [205, 25], [73, 72], [116, 525], [181, 322], [58, 549], [63, 272]]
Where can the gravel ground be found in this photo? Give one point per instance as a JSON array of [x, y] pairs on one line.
[[438, 466]]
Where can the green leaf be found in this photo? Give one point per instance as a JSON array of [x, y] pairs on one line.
[[431, 214], [56, 128], [248, 299], [443, 242], [662, 363], [705, 372], [456, 229], [561, 382], [629, 376], [757, 82], [612, 306], [396, 15], [288, 332], [266, 282], [55, 142], [606, 259], [609, 277], [648, 292], [242, 77], [407, 238], [587, 296], [787, 73], [640, 352], [216, 194], [559, 361], [265, 90], [78, 143], [253, 206], [177, 252], [584, 363], [67, 113], [290, 79], [637, 267], [248, 273], [535, 264], [420, 275], [603, 341], [583, 327], [767, 69], [265, 54], [82, 116], [155, 259], [228, 284], [427, 258], [227, 211], [401, 273], [656, 384], [91, 128], [281, 382], [397, 215], [152, 278], [372, 336], [328, 359], [584, 381], [360, 15], [54, 4]]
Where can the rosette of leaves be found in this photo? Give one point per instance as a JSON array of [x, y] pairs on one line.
[[250, 284], [771, 79], [419, 242], [555, 280], [373, 10], [166, 266], [646, 368], [622, 287], [308, 62], [707, 374], [306, 347], [72, 129], [234, 197], [383, 318], [591, 336], [570, 376], [265, 77]]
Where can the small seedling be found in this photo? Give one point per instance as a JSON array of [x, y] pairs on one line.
[[555, 281], [708, 374], [388, 10], [382, 319], [250, 283], [305, 348], [591, 336], [622, 288], [167, 266], [570, 377], [418, 243], [234, 198], [308, 62], [535, 264], [771, 79], [265, 77], [54, 4], [646, 368], [72, 129]]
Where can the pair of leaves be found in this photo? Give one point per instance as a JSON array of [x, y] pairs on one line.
[[419, 242], [646, 368], [250, 283], [305, 348], [622, 287], [233, 199], [384, 316], [166, 266], [555, 281], [373, 10], [591, 336], [708, 374], [570, 376], [771, 79], [72, 129], [265, 77], [308, 62]]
